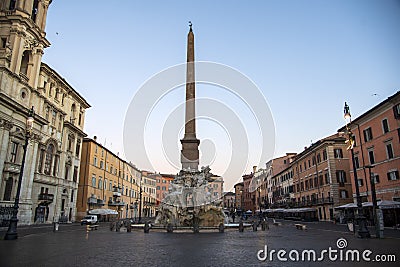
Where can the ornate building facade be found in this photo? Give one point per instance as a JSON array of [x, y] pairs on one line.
[[50, 181]]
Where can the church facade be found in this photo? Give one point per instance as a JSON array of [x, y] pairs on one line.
[[51, 172]]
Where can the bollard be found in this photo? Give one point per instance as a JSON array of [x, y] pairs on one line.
[[221, 227], [263, 225], [241, 227], [146, 227], [254, 225], [55, 226], [196, 228], [170, 228]]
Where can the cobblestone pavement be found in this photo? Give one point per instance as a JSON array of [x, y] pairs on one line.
[[74, 246]]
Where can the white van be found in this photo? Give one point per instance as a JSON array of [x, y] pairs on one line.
[[89, 219]]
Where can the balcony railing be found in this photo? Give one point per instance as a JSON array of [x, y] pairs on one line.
[[46, 197], [313, 202], [116, 203]]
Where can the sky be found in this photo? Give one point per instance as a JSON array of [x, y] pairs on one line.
[[306, 57]]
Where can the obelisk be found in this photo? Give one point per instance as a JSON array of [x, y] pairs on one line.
[[190, 144]]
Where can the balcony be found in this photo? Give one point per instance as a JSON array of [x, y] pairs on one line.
[[48, 198], [116, 203], [94, 201]]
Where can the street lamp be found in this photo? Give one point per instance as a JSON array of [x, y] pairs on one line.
[[259, 199], [363, 230], [12, 228]]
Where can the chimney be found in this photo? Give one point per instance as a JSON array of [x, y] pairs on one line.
[[95, 138], [254, 169]]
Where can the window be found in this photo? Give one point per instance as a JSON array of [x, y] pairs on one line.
[[8, 189], [389, 150], [75, 176], [321, 180], [318, 158], [72, 115], [70, 142], [78, 147], [344, 194], [393, 175], [309, 163], [14, 151], [53, 117], [111, 169], [356, 162], [385, 126], [164, 188], [305, 165], [93, 181], [3, 42], [12, 4], [396, 111], [80, 118], [371, 156], [158, 187], [72, 195], [100, 184], [110, 186], [49, 159], [313, 161], [368, 134], [324, 155], [95, 161], [47, 111], [338, 153], [101, 164], [341, 177], [375, 178], [60, 119], [66, 174], [24, 63], [105, 184], [35, 9], [360, 182]]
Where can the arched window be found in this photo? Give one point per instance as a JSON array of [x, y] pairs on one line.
[[24, 63], [49, 159], [8, 189], [100, 185]]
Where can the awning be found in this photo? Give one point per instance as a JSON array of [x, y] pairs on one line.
[[383, 204], [103, 212]]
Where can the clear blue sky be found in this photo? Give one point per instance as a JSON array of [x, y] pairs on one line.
[[307, 57]]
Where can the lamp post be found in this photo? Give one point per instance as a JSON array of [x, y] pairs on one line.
[[362, 230], [140, 203], [12, 228], [374, 203], [259, 199]]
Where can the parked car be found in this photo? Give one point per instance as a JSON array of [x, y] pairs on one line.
[[89, 219]]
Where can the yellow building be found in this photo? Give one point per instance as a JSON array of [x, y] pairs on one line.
[[107, 182]]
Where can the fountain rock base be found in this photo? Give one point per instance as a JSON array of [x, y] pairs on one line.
[[190, 201]]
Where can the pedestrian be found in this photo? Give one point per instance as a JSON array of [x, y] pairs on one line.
[[233, 217]]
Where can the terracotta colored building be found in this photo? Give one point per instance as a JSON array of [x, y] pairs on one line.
[[163, 181], [377, 136], [321, 177], [239, 194]]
